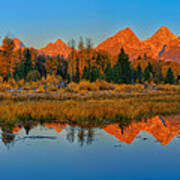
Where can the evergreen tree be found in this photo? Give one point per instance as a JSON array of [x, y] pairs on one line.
[[19, 71], [85, 75], [116, 74], [77, 75], [108, 73], [170, 77], [139, 74], [27, 63], [62, 67], [147, 75], [150, 67], [134, 76], [122, 70], [94, 74], [41, 65]]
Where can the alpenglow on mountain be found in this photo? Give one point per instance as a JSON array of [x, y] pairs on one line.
[[163, 44]]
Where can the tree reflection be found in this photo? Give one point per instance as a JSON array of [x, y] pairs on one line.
[[81, 137], [7, 137], [90, 136], [27, 129], [71, 135]]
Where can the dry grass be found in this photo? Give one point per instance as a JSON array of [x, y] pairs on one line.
[[113, 110]]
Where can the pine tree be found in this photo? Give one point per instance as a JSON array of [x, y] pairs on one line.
[[147, 75], [62, 67], [85, 75], [19, 71], [77, 75], [27, 63], [94, 74], [108, 73], [139, 74], [169, 79], [115, 74], [150, 67], [122, 70]]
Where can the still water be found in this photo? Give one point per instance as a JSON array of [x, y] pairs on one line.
[[143, 150]]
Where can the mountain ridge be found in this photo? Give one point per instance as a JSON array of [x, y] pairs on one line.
[[163, 44], [152, 46]]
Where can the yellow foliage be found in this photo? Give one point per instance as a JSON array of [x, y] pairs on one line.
[[1, 79], [21, 83], [5, 86], [40, 89], [71, 87], [52, 88], [86, 85]]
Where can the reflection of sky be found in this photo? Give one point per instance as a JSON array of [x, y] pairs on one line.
[[37, 22], [103, 159]]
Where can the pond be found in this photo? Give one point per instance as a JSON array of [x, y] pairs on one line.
[[141, 150]]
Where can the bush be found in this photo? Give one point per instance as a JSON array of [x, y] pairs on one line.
[[103, 85], [52, 79], [52, 88], [1, 79], [86, 85], [33, 76], [40, 89]]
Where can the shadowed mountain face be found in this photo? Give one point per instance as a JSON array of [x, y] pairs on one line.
[[17, 43], [161, 38], [164, 130], [172, 51]]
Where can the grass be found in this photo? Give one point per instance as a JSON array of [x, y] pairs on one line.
[[96, 102], [127, 108]]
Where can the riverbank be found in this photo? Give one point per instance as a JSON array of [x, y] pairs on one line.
[[114, 108]]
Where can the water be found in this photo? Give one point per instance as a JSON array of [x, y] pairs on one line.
[[142, 150]]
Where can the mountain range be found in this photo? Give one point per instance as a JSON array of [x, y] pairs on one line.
[[162, 45], [162, 129]]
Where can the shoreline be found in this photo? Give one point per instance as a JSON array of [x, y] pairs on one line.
[[124, 107]]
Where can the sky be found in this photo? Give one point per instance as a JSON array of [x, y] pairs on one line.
[[38, 22]]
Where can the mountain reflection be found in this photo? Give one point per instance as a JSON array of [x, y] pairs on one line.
[[162, 129]]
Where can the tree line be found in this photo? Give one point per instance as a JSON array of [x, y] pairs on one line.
[[86, 63]]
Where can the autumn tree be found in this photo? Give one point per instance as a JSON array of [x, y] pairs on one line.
[[72, 57], [81, 59], [6, 57]]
